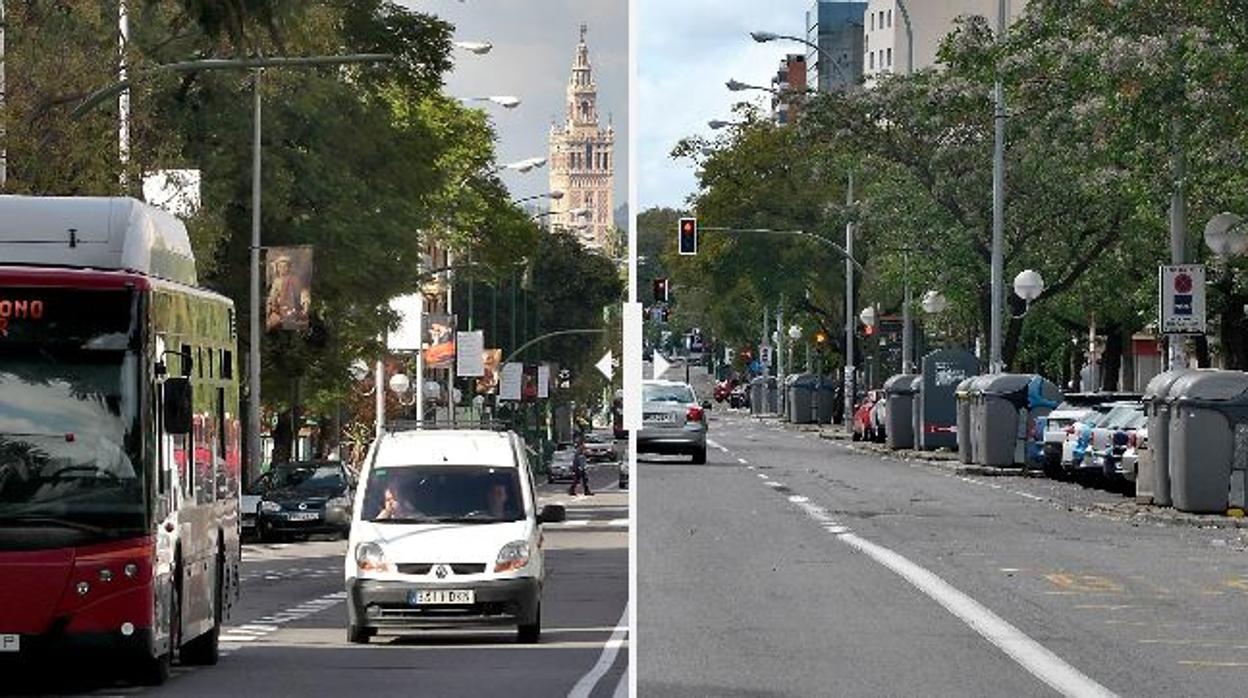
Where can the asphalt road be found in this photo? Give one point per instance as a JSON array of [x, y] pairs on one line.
[[288, 635], [793, 565]]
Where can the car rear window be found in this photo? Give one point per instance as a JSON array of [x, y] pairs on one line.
[[667, 393]]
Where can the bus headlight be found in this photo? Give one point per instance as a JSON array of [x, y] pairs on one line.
[[369, 557], [513, 556]]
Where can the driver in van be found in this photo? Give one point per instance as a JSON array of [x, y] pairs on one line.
[[392, 507], [498, 497]]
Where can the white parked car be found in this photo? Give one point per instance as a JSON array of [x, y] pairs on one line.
[[446, 532]]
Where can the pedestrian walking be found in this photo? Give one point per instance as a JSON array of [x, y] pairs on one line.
[[580, 470]]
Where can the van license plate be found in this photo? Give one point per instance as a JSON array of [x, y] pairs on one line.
[[10, 643], [441, 597]]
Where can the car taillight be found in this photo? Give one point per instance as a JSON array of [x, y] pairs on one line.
[[694, 414]]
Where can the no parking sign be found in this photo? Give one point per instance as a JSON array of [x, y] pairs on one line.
[[1182, 299]]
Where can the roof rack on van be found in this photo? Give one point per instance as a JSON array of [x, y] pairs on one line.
[[431, 425]]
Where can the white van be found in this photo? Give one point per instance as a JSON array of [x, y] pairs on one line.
[[446, 532]]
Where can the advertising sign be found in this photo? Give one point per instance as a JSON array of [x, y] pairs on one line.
[[288, 271], [543, 381], [470, 354], [1182, 299], [407, 336], [439, 341], [512, 382]]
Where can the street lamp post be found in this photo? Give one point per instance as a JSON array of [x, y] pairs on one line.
[[998, 212]]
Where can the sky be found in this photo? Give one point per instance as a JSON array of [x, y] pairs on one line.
[[687, 51], [534, 44]]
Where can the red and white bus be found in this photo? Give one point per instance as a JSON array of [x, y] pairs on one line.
[[119, 437]]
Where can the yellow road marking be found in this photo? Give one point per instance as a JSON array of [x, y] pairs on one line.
[[1085, 583]]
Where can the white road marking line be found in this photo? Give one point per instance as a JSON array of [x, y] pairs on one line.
[[798, 499], [618, 522], [762, 476], [621, 688], [1029, 654], [238, 638], [585, 686], [743, 461], [773, 483], [715, 444]]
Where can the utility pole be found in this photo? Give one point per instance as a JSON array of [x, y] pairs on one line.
[[4, 135], [123, 99], [849, 306], [995, 364], [907, 336], [254, 452], [1178, 227]]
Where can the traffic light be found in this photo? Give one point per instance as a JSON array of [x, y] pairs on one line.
[[868, 330], [661, 294], [821, 337], [667, 314], [687, 232]]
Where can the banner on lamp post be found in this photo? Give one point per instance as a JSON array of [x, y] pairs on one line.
[[288, 271], [470, 354], [543, 381], [511, 382], [439, 340], [490, 360]]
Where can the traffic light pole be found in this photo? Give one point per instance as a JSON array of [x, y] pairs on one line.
[[849, 309]]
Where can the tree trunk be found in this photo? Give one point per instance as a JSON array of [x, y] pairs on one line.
[[283, 439], [1111, 362]]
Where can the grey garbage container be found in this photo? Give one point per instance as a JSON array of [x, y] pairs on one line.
[[1209, 441], [758, 388], [965, 437], [936, 407], [826, 400], [899, 417], [786, 400], [771, 396], [1152, 482], [801, 403], [1003, 412], [916, 409]]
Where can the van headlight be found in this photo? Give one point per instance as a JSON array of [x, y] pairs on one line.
[[269, 507], [513, 556], [369, 557]]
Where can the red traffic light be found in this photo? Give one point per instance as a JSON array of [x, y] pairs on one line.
[[661, 293], [687, 236]]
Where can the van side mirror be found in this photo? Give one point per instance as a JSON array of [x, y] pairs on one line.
[[552, 513], [178, 409]]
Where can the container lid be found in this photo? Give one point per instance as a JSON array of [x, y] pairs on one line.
[[1002, 383], [1160, 385], [900, 384], [964, 386], [1212, 385]]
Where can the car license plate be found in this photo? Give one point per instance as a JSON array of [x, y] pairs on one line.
[[302, 516], [10, 642], [660, 417], [441, 597]]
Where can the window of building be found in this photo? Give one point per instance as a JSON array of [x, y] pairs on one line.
[[881, 19], [872, 22], [890, 57], [871, 60], [866, 41], [589, 155], [890, 17]]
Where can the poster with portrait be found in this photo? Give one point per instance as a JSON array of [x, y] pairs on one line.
[[288, 273], [490, 358], [439, 341]]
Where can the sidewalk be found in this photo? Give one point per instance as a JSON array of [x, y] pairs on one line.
[[950, 461]]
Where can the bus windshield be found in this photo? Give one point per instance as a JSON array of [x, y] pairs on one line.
[[69, 456]]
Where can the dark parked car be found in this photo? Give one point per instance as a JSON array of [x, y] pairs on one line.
[[305, 498]]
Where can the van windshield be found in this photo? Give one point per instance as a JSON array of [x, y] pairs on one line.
[[443, 494]]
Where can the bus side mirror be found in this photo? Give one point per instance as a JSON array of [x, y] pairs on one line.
[[178, 410]]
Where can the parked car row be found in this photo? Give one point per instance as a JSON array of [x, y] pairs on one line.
[[1099, 437]]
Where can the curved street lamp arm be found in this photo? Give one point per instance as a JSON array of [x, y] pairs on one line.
[[800, 233], [104, 94], [546, 336], [835, 63]]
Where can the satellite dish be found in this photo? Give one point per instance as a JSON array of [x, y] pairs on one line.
[[1225, 235]]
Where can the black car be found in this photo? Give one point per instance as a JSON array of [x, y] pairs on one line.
[[305, 498]]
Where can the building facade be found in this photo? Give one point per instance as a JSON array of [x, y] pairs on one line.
[[837, 29], [885, 46], [582, 159], [789, 89]]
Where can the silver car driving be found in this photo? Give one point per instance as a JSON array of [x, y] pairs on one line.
[[672, 420]]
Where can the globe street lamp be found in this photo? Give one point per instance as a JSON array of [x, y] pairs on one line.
[[1028, 285], [934, 303], [1226, 234]]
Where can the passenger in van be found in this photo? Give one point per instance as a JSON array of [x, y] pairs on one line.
[[498, 498]]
